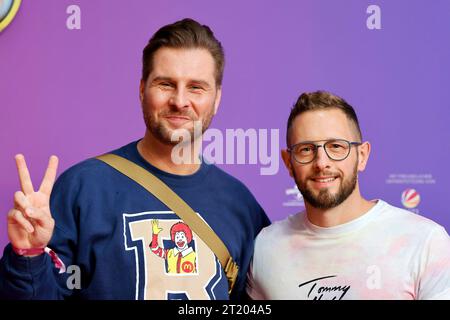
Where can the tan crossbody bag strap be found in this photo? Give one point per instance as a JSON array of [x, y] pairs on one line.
[[167, 196]]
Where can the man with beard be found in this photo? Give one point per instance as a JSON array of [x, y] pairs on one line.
[[343, 246], [98, 222]]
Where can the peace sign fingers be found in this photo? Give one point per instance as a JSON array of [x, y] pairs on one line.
[[24, 175], [50, 176]]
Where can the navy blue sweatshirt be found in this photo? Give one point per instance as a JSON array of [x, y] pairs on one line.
[[104, 235]]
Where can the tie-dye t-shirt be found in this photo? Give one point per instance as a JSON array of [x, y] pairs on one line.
[[387, 253]]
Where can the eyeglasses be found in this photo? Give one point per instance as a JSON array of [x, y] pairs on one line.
[[336, 149]]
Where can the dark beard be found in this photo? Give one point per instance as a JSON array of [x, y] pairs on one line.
[[326, 200], [164, 134]]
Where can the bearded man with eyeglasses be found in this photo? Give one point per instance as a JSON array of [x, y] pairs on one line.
[[343, 246]]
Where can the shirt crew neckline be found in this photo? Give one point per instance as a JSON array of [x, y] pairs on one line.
[[347, 227], [188, 181]]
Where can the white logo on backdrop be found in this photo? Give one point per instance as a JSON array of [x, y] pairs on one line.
[[295, 198]]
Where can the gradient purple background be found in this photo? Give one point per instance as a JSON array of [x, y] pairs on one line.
[[74, 93]]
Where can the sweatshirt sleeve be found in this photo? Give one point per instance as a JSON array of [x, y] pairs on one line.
[[259, 221]]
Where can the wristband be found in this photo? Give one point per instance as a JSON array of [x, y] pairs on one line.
[[28, 252], [35, 251]]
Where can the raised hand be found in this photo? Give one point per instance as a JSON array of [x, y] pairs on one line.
[[155, 227], [30, 223]]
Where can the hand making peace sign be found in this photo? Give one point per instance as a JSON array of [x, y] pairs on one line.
[[30, 223]]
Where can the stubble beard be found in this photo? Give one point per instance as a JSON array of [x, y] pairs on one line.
[[161, 130], [324, 199]]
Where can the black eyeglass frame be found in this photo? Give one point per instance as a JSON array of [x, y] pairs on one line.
[[317, 146]]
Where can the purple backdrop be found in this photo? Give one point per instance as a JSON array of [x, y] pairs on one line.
[[74, 93]]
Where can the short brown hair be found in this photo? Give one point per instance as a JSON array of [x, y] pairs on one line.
[[188, 34], [310, 101]]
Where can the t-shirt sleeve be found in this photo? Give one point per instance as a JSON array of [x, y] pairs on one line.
[[254, 292], [253, 283], [434, 281]]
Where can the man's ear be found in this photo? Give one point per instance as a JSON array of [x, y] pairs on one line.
[[217, 100], [363, 153], [141, 90], [287, 161]]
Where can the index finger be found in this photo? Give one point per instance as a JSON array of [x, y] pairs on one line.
[[24, 174], [50, 176]]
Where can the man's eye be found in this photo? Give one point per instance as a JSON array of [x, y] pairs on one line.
[[196, 88], [165, 85], [336, 146], [305, 149]]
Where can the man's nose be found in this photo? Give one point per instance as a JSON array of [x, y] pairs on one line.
[[179, 99], [322, 160]]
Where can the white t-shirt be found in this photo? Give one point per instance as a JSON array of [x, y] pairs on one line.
[[387, 253]]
